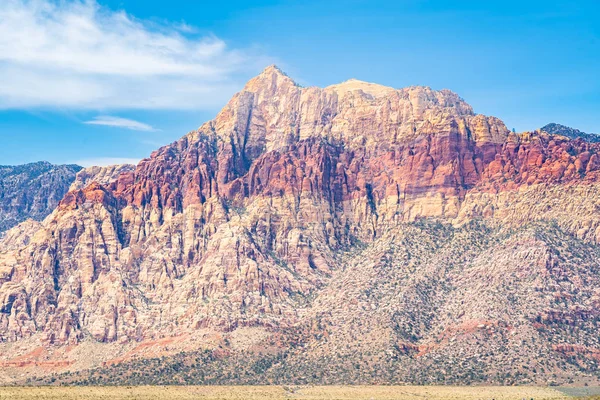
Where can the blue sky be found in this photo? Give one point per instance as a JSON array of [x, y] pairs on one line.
[[110, 81]]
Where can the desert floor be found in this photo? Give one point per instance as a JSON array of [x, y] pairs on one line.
[[292, 392]]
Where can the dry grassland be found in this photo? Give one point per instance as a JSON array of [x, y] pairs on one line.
[[280, 392]]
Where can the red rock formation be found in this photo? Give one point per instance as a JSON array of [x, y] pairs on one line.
[[538, 158], [239, 223]]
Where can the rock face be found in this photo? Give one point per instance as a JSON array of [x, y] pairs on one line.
[[298, 213], [32, 191], [102, 175]]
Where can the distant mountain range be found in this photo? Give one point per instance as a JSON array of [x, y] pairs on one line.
[[355, 233], [32, 190], [558, 129]]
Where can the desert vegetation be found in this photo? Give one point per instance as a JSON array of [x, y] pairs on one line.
[[280, 392]]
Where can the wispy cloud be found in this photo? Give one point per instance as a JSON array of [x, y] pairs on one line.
[[104, 161], [78, 54], [118, 122]]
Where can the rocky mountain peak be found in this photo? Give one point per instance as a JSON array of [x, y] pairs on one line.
[[272, 76], [273, 112], [273, 69], [372, 89]]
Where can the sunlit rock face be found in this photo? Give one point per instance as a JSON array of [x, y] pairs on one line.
[[249, 219]]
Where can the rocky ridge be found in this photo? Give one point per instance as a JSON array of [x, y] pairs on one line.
[[32, 191], [572, 133], [294, 220]]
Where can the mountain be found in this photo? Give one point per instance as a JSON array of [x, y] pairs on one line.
[[354, 233], [558, 129], [32, 191]]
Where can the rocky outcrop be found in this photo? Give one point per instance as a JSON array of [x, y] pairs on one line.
[[103, 175], [275, 216], [32, 191], [537, 176]]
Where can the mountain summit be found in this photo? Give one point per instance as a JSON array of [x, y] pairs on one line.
[[353, 233]]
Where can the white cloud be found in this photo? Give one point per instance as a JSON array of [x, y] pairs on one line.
[[119, 122], [105, 161], [78, 54]]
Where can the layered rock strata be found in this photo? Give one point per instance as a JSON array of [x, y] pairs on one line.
[[253, 220]]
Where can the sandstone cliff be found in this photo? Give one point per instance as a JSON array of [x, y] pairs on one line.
[[295, 218]]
